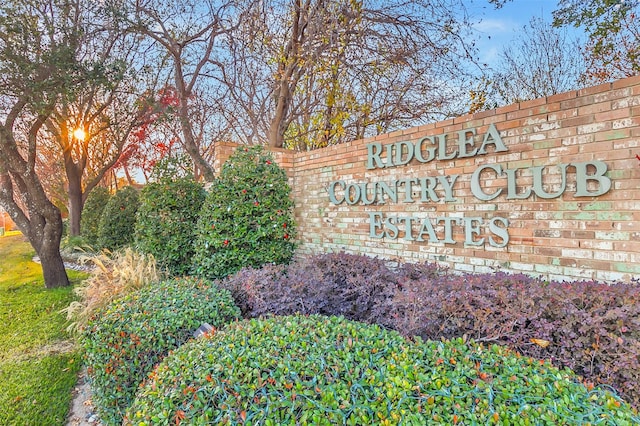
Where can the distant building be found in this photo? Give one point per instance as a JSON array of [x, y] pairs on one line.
[[5, 221]]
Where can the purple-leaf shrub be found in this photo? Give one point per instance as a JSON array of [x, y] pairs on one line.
[[590, 327]]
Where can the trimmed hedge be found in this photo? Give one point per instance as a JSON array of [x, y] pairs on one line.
[[125, 340], [91, 213], [247, 218], [592, 328], [118, 219], [356, 287], [327, 370], [166, 221]]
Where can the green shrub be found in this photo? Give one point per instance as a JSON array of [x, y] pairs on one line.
[[591, 328], [328, 370], [90, 220], [124, 341], [118, 220], [166, 221], [246, 219], [72, 247]]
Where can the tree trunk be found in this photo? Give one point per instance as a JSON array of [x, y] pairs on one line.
[[75, 206], [189, 140], [74, 180], [276, 131], [41, 223], [277, 127], [53, 268]]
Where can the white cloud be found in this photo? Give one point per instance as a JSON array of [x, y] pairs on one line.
[[490, 55], [495, 26]]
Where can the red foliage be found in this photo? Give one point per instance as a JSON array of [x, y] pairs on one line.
[[141, 150], [168, 97]]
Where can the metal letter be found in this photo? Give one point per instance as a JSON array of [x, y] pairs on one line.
[[374, 224], [392, 229], [448, 187], [463, 141], [582, 178], [399, 151], [476, 189], [373, 155], [385, 188], [332, 193], [442, 149], [431, 151], [389, 149], [427, 186], [471, 230], [356, 194], [408, 190], [512, 189], [537, 182], [407, 227], [363, 194], [499, 232], [492, 137], [448, 228], [427, 228]]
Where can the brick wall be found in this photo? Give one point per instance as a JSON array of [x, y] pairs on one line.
[[531, 198]]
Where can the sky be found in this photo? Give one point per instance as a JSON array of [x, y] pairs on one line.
[[499, 26]]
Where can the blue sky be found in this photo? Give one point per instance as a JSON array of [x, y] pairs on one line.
[[499, 26]]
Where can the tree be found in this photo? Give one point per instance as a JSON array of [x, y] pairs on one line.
[[187, 33], [167, 217], [92, 130], [118, 219], [63, 65], [301, 73], [96, 202], [480, 96], [541, 61], [246, 218], [310, 73], [38, 70], [159, 136], [613, 50]]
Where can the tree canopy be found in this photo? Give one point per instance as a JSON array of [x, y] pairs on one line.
[[40, 70], [540, 61], [613, 47], [150, 78]]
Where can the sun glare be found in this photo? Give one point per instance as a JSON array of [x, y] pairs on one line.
[[79, 134]]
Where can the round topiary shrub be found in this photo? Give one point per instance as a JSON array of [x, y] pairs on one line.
[[246, 219], [166, 221], [318, 370], [90, 220], [126, 339], [118, 220]]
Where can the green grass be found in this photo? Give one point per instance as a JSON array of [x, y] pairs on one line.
[[38, 360]]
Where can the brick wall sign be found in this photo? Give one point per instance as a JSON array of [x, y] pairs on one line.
[[549, 187]]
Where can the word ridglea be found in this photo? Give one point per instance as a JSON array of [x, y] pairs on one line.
[[590, 181], [432, 148]]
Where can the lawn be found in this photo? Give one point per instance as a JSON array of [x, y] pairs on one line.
[[38, 359]]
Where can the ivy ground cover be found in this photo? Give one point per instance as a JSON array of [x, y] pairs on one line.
[[316, 370]]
